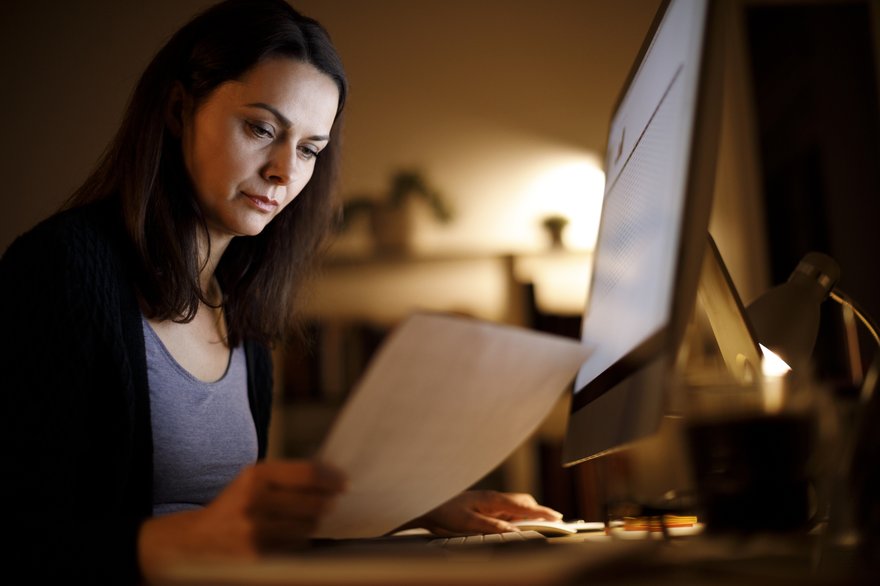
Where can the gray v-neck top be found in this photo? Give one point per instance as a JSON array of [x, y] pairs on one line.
[[203, 432]]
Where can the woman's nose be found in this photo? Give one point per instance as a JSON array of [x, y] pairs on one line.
[[282, 167]]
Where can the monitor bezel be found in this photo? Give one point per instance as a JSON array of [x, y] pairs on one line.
[[635, 389]]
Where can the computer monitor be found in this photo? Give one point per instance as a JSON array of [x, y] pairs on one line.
[[660, 169]]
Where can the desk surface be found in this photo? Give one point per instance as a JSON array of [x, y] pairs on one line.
[[571, 560]]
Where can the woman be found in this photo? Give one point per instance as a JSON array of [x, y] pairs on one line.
[[137, 377]]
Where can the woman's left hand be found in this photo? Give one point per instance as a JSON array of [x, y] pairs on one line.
[[483, 511]]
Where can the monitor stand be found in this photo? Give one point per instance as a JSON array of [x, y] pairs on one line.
[[719, 301], [718, 348]]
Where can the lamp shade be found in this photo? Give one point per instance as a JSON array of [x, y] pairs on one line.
[[786, 318]]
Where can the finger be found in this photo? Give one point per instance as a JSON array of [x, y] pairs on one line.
[[479, 523], [542, 512], [517, 506], [532, 512]]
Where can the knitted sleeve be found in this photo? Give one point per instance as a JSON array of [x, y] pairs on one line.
[[71, 454]]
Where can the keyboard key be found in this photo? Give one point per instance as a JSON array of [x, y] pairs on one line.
[[491, 538]]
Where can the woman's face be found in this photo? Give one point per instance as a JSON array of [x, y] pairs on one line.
[[250, 146]]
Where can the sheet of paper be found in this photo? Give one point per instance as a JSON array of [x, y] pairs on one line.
[[445, 400]]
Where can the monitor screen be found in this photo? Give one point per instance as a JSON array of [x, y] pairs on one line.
[[659, 167]]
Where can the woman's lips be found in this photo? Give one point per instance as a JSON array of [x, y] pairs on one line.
[[262, 203]]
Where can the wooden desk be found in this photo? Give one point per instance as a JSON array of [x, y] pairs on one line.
[[565, 561], [411, 562]]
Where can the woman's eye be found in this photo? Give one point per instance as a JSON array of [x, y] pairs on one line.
[[260, 131], [308, 152]]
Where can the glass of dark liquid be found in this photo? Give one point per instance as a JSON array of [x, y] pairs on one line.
[[754, 472], [754, 454]]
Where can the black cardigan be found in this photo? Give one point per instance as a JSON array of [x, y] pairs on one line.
[[76, 416]]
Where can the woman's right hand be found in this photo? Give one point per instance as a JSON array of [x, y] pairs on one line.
[[269, 506]]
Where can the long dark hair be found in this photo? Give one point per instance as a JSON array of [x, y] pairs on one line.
[[143, 167]]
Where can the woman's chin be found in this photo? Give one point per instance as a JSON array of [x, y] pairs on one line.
[[250, 227]]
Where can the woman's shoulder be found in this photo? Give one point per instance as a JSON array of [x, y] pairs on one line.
[[80, 240], [79, 220], [84, 226]]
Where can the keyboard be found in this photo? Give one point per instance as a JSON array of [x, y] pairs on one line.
[[489, 539]]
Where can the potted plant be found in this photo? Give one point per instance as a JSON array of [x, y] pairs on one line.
[[389, 218]]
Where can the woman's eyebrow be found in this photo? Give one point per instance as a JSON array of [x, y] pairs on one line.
[[285, 122], [274, 111]]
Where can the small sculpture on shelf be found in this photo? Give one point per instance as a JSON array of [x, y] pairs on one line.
[[390, 221], [555, 226]]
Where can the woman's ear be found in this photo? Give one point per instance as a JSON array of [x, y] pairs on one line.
[[178, 109]]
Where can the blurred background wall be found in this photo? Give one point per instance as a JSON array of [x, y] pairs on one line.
[[488, 98]]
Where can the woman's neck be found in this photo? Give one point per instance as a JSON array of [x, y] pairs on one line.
[[211, 250]]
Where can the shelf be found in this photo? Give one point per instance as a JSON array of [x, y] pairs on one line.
[[384, 290]]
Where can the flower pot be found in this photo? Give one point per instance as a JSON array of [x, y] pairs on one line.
[[392, 230]]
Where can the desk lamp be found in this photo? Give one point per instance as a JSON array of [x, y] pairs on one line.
[[786, 318]]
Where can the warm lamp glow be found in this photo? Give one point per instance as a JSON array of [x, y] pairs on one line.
[[772, 365], [775, 370], [573, 189], [560, 281]]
